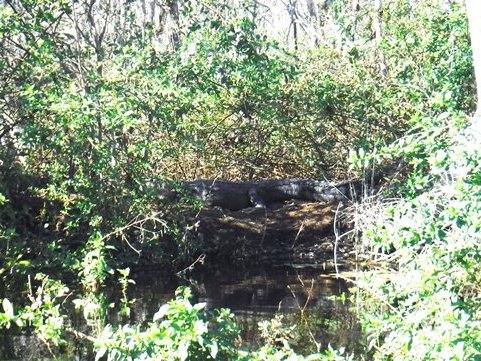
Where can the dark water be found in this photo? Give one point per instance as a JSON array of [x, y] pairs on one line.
[[302, 295]]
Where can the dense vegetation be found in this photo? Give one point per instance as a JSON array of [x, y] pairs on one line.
[[100, 104]]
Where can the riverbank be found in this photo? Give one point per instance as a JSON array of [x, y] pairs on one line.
[[294, 232]]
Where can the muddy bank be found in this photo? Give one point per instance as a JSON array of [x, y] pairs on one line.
[[288, 233]]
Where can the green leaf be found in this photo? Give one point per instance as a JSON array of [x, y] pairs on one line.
[[100, 353], [19, 322]]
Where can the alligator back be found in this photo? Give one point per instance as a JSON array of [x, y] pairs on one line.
[[240, 195]]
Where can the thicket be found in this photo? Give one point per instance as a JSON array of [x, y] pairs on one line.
[[97, 109], [424, 304]]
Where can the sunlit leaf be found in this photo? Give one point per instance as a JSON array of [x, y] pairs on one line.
[[8, 308], [161, 312]]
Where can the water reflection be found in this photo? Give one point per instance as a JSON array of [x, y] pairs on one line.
[[303, 296]]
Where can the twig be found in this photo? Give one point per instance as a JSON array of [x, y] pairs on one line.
[[372, 293], [303, 308], [80, 335], [199, 259], [301, 228], [130, 245], [133, 223], [336, 242], [309, 293]]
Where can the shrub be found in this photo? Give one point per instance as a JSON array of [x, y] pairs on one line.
[[428, 307]]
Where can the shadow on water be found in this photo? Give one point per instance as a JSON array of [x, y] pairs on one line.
[[303, 296]]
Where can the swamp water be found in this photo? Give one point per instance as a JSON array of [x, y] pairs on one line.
[[303, 296]]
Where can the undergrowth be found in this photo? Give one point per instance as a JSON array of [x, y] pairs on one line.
[[425, 303]]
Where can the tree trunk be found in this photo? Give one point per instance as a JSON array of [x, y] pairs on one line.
[[378, 33], [174, 13], [314, 22]]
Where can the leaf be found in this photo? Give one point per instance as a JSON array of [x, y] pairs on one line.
[[8, 308], [199, 306], [161, 312], [100, 353], [200, 327], [214, 348], [183, 350], [124, 272], [4, 320], [19, 322]]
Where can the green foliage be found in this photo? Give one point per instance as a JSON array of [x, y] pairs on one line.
[[43, 314], [90, 122], [179, 331], [440, 56], [124, 281], [94, 268], [102, 121], [184, 331], [429, 309]]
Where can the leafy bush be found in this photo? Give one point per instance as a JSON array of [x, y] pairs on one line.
[[91, 121], [96, 124], [428, 307], [179, 331]]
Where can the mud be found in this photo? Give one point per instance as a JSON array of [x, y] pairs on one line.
[[289, 233]]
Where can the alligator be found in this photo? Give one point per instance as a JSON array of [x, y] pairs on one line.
[[236, 196]]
